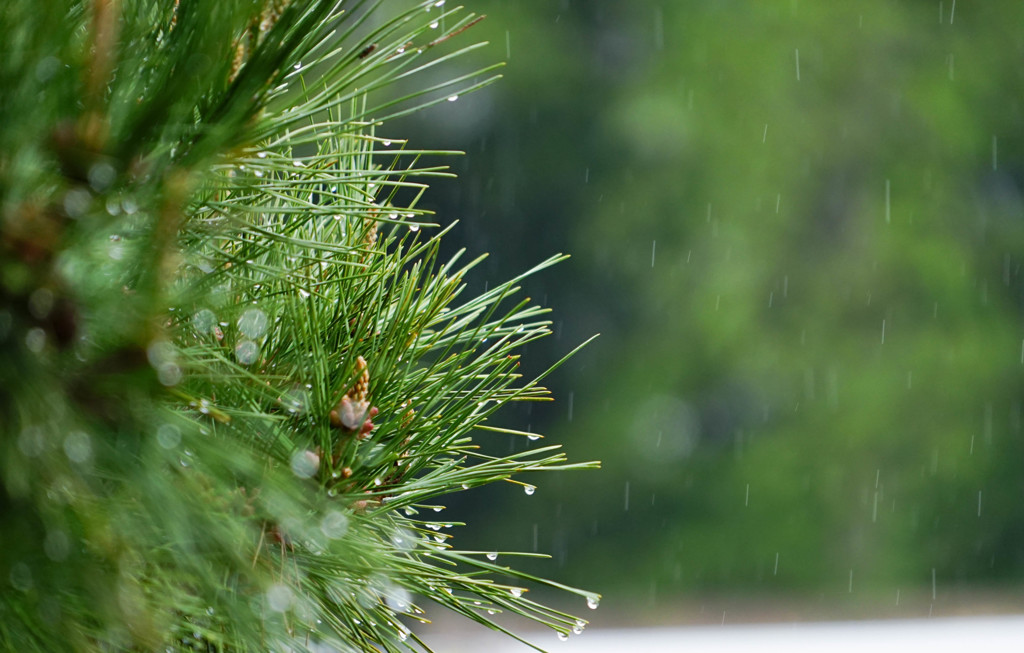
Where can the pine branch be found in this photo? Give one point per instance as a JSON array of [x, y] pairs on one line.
[[235, 370]]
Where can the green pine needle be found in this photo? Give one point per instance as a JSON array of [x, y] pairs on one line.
[[236, 373]]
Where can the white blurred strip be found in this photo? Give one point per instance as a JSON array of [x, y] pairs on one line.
[[973, 634]]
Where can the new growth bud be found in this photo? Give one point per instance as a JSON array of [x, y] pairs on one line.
[[354, 413]]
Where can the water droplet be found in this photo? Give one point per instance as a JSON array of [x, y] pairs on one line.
[[492, 556], [452, 98], [296, 401], [21, 577], [386, 143], [76, 202], [397, 598], [533, 436], [529, 489], [433, 25], [438, 508], [562, 637], [593, 601], [305, 463], [204, 321], [57, 545], [246, 352], [334, 525], [577, 629], [298, 66], [168, 436], [101, 176], [439, 3], [169, 374], [160, 352], [258, 173], [253, 323], [414, 227], [40, 303], [261, 155], [516, 591], [280, 597], [115, 251], [32, 441], [403, 539], [35, 340], [78, 447]]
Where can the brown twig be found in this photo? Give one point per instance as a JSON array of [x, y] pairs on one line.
[[462, 29]]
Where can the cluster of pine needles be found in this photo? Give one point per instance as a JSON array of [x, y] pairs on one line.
[[236, 379]]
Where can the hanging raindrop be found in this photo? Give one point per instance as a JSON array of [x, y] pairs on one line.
[[246, 352], [334, 525], [280, 598], [305, 463], [403, 539], [253, 323], [168, 436]]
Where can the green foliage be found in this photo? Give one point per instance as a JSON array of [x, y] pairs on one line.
[[742, 238], [237, 381]]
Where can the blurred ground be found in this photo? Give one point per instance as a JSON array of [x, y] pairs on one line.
[[956, 619], [988, 634]]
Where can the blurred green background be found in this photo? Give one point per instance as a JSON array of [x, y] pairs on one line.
[[798, 227]]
